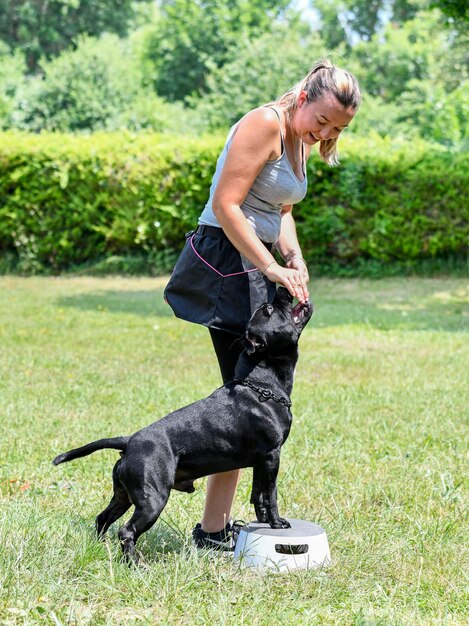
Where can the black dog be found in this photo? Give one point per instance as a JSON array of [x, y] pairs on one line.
[[242, 424]]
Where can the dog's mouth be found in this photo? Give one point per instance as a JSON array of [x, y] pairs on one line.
[[300, 311], [254, 343]]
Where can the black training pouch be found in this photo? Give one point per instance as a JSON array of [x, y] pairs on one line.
[[213, 285], [192, 290]]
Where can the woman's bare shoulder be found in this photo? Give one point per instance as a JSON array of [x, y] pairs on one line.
[[258, 126], [263, 117]]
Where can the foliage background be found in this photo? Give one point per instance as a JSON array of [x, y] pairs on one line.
[[74, 66], [187, 70]]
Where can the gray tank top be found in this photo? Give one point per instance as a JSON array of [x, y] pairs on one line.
[[275, 186]]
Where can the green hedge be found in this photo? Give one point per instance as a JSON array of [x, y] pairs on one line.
[[67, 200], [388, 201]]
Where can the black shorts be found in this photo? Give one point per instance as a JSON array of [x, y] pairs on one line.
[[213, 285]]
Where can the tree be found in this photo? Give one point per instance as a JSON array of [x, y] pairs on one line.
[[96, 86], [332, 28], [257, 73], [415, 80], [11, 74], [364, 17], [43, 28], [405, 10], [456, 9], [192, 37], [398, 55], [345, 20]]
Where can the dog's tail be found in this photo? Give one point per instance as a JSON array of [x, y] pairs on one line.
[[116, 443]]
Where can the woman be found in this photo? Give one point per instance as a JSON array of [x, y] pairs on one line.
[[227, 268]]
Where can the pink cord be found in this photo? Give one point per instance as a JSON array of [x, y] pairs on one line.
[[215, 270]]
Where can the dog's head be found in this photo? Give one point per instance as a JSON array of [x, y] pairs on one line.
[[277, 327]]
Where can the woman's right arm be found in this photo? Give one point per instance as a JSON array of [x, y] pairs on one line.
[[256, 140]]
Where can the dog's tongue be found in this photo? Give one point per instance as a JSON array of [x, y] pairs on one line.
[[297, 311]]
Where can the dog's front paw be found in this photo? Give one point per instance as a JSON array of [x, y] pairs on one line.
[[280, 523], [261, 515]]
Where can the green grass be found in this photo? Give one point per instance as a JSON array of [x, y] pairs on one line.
[[377, 456]]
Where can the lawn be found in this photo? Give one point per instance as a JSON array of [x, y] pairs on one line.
[[377, 455]]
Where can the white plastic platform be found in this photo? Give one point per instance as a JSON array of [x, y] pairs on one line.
[[303, 546]]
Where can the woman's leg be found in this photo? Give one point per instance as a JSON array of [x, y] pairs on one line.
[[221, 488], [227, 353]]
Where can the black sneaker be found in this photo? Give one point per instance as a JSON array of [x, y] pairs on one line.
[[223, 540]]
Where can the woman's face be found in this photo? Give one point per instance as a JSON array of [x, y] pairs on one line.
[[323, 119]]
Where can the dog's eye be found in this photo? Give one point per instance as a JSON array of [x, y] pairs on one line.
[[268, 309]]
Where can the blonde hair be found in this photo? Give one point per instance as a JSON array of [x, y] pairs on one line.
[[324, 78]]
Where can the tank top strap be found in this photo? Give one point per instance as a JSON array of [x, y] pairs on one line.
[[280, 126], [303, 158]]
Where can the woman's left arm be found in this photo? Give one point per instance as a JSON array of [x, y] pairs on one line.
[[288, 245]]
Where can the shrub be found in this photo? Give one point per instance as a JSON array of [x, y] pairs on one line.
[[388, 200], [81, 88], [97, 86], [68, 200]]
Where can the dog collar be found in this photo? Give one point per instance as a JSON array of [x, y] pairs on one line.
[[264, 394]]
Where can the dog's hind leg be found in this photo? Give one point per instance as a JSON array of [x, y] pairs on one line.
[[116, 508], [147, 511], [264, 491], [118, 505]]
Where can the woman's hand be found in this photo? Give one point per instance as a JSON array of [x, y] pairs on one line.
[[295, 280], [297, 262]]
